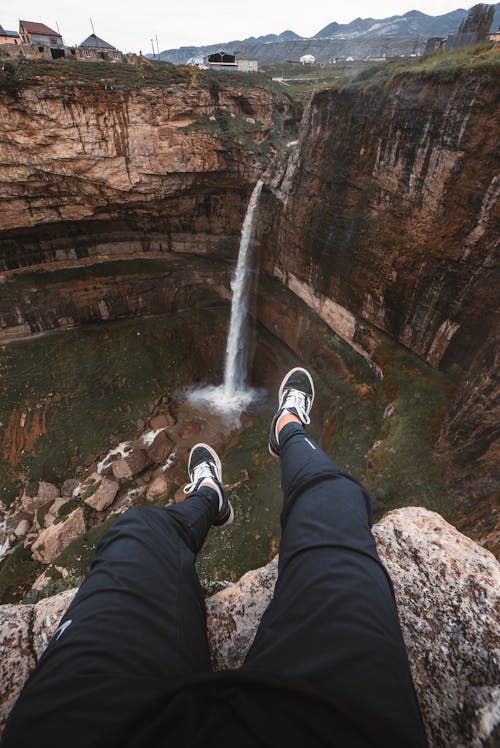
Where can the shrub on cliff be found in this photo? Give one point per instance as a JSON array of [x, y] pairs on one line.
[[9, 80]]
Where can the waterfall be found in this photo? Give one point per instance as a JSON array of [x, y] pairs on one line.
[[235, 362], [233, 395]]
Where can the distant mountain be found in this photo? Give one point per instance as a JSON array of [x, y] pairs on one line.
[[413, 23], [363, 38], [285, 36]]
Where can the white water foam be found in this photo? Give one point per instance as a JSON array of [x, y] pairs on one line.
[[123, 449], [150, 436]]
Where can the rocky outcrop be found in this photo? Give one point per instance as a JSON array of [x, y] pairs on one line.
[[447, 588]]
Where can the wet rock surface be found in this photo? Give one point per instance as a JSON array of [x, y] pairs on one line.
[[388, 223], [447, 588]]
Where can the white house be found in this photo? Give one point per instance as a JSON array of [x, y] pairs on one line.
[[307, 60], [247, 66]]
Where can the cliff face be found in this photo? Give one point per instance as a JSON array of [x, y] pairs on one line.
[[88, 169], [384, 219], [97, 174]]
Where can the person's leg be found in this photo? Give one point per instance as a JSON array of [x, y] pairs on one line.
[[140, 614], [333, 622]]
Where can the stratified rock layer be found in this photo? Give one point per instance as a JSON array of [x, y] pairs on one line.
[[447, 588], [386, 218], [103, 172]]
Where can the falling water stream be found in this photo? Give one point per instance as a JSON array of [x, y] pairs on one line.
[[233, 395], [236, 349]]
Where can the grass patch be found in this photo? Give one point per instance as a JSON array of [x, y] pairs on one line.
[[92, 384], [18, 571], [441, 67], [119, 75]]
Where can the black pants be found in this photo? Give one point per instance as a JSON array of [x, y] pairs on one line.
[[133, 641]]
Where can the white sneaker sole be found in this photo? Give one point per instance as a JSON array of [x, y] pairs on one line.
[[229, 520]]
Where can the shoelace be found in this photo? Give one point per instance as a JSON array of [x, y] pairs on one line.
[[203, 470], [298, 400]]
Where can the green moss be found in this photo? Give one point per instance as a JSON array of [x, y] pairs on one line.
[[42, 511], [91, 488], [78, 556], [18, 571], [404, 469], [66, 509], [96, 381]]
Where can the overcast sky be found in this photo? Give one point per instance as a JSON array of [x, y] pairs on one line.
[[130, 25]]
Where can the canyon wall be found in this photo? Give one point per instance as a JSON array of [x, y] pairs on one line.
[[381, 219], [386, 219], [142, 179], [91, 171]]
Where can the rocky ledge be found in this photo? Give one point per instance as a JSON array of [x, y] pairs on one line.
[[447, 588]]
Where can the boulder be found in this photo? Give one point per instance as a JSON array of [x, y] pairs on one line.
[[131, 465], [22, 528], [46, 615], [121, 469], [160, 448], [99, 492], [447, 588], [47, 491], [162, 421], [158, 488], [57, 537]]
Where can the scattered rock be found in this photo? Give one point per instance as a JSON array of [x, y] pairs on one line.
[[47, 491], [68, 487], [121, 469], [137, 461], [162, 421], [57, 537], [158, 489], [160, 448], [22, 528], [99, 492]]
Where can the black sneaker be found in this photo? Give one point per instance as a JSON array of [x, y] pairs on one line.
[[204, 464], [296, 395]]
